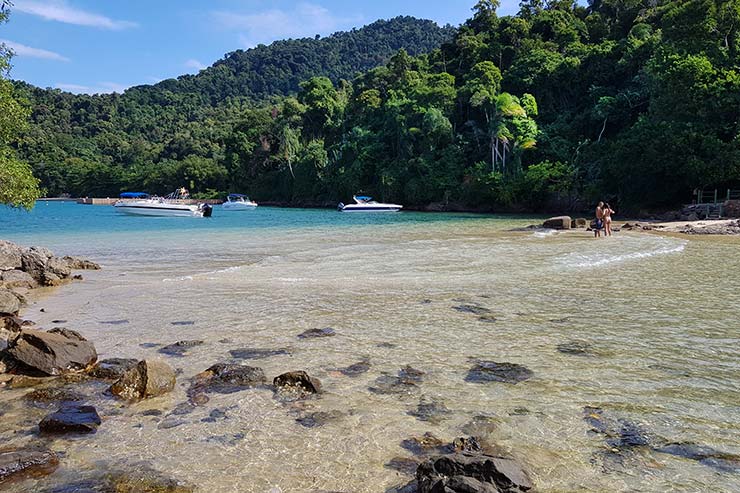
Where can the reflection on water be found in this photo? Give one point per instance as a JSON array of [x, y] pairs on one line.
[[651, 318]]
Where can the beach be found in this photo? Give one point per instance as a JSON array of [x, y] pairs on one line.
[[619, 348]]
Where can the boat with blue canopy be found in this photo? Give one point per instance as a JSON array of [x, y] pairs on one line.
[[364, 203]]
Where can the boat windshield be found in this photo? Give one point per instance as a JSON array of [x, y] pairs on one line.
[[235, 197], [364, 199]]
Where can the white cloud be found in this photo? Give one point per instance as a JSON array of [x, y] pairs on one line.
[[59, 10], [306, 19], [102, 87], [27, 51], [194, 64]]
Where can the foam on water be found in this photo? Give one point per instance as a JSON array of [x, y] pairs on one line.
[[596, 259]]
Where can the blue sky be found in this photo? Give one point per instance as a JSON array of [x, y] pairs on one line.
[[109, 45]]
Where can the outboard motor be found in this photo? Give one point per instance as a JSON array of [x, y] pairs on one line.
[[340, 206], [206, 209]]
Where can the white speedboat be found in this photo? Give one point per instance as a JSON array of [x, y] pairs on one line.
[[172, 205], [238, 202], [367, 204]]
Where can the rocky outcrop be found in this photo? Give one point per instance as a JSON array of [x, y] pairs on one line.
[[559, 222], [720, 228], [470, 471], [55, 352], [17, 279], [149, 378], [71, 419], [25, 462], [28, 268]]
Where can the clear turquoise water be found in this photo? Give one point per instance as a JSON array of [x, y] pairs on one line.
[[658, 311]]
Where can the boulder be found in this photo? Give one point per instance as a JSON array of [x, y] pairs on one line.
[[491, 371], [559, 222], [316, 333], [34, 261], [149, 378], [298, 380], [579, 222], [75, 263], [19, 463], [112, 368], [71, 419], [224, 378], [9, 302], [58, 266], [355, 369], [11, 256], [18, 279], [465, 472], [52, 353]]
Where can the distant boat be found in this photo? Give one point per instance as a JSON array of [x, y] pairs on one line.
[[238, 202], [367, 204], [171, 205]]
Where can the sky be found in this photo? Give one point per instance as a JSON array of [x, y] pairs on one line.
[[87, 46]]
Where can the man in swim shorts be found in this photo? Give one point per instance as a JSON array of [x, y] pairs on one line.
[[599, 223]]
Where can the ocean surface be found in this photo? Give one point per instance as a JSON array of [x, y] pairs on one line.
[[641, 326]]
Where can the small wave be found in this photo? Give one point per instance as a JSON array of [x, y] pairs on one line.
[[585, 261], [206, 275], [545, 233]]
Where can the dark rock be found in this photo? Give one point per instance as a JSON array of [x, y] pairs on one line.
[[115, 322], [16, 464], [480, 426], [77, 277], [252, 353], [149, 345], [576, 348], [44, 397], [474, 309], [9, 302], [149, 378], [298, 380], [152, 412], [630, 434], [140, 478], [170, 422], [386, 345], [405, 383], [559, 222], [68, 333], [491, 371], [316, 333], [226, 440], [404, 465], [410, 373], [59, 321], [182, 409], [318, 418], [356, 369], [71, 419], [179, 348], [579, 223], [704, 455], [431, 410], [215, 415], [491, 473], [52, 353], [112, 368], [426, 444], [224, 378], [183, 322], [489, 319]]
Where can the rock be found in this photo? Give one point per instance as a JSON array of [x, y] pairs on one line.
[[430, 409], [71, 419], [143, 479], [576, 348], [579, 223], [50, 279], [24, 382], [559, 222], [59, 267], [18, 279], [149, 378], [179, 348], [474, 309], [68, 333], [318, 418], [52, 353], [76, 263], [11, 256], [491, 371], [356, 369], [115, 322], [481, 472], [183, 322], [704, 455], [404, 465], [15, 464], [112, 368], [224, 378], [691, 217], [45, 396], [405, 383], [9, 302], [34, 261], [426, 444], [298, 380], [316, 333], [480, 426], [215, 415], [252, 353]]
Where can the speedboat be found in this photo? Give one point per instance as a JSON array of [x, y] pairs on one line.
[[172, 205], [367, 204], [238, 202]]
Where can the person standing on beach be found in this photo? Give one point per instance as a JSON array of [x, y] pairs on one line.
[[607, 212], [599, 224]]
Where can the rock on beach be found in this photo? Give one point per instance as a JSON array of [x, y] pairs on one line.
[[149, 378], [56, 352]]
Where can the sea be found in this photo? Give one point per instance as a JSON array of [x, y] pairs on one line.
[[632, 345]]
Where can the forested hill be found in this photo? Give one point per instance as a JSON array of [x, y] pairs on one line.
[[277, 69]]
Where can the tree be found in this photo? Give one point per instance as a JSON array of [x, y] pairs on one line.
[[18, 186]]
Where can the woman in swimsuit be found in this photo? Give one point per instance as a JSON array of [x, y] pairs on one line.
[[607, 211]]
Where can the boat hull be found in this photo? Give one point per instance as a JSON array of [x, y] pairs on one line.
[[354, 208], [238, 207], [163, 210]]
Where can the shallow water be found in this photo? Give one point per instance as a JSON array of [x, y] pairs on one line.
[[659, 313]]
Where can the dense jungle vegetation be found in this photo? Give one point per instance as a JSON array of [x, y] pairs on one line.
[[636, 101]]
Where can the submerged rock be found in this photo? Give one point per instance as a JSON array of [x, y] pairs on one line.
[[115, 322], [465, 472], [491, 371], [318, 418], [253, 353], [426, 444], [112, 368], [704, 455], [404, 465], [355, 369], [21, 463], [316, 333], [576, 348], [149, 378], [474, 309], [406, 382], [71, 419], [480, 425], [47, 396], [183, 322], [431, 410], [180, 348], [55, 352], [224, 378]]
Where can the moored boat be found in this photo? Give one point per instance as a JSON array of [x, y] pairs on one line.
[[172, 205], [238, 202], [367, 204]]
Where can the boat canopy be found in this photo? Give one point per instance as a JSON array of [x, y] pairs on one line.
[[363, 198], [236, 195], [134, 195]]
